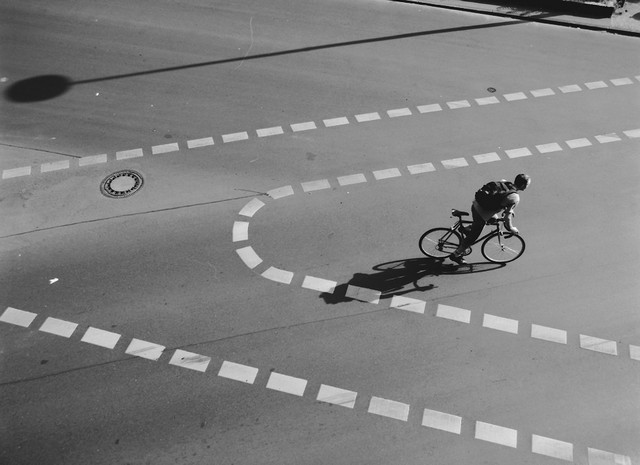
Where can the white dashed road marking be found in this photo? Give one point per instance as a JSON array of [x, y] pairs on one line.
[[287, 384], [237, 372], [408, 304], [58, 327], [442, 421], [337, 396], [552, 448], [249, 257], [454, 313], [389, 408], [189, 360], [100, 337], [18, 317], [549, 334], [144, 349], [496, 434], [499, 435], [319, 284], [311, 125]]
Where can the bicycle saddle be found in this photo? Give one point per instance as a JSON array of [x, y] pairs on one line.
[[459, 213]]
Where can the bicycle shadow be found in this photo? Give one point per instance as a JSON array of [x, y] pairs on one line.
[[404, 276]]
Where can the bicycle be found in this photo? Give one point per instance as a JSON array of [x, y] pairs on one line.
[[499, 246]]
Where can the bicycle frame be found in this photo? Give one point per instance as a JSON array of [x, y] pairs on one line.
[[497, 232]]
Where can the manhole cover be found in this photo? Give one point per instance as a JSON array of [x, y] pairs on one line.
[[121, 184]]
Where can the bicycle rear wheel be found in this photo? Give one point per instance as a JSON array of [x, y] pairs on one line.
[[503, 248], [439, 242]]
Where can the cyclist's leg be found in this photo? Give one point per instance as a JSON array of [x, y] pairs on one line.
[[474, 233]]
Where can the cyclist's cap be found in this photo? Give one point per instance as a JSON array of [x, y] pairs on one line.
[[522, 181]]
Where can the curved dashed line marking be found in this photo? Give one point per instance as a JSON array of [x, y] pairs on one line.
[[248, 255], [311, 125], [287, 384]]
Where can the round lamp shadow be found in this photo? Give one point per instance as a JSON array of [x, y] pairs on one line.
[[38, 88]]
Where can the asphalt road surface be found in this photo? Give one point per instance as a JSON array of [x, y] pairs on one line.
[[261, 298]]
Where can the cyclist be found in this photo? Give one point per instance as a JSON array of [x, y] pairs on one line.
[[505, 200]]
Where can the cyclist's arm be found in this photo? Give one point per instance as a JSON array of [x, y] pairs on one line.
[[510, 204]]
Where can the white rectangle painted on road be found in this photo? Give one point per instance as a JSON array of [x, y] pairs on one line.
[[408, 304], [634, 352], [93, 160], [204, 142], [332, 122], [145, 349], [621, 82], [363, 294], [389, 408], [273, 131], [542, 92], [458, 104], [499, 323], [549, 334], [297, 127], [236, 136], [318, 185], [386, 174], [190, 360], [251, 207], [486, 157], [16, 172], [548, 148], [319, 284], [58, 327], [280, 192], [442, 421], [520, 152], [126, 154], [515, 96], [18, 317], [596, 85], [607, 138], [237, 372], [598, 345], [337, 396], [429, 108], [454, 163], [632, 133], [496, 434], [487, 100], [249, 256], [287, 384], [570, 88], [397, 112], [421, 168], [552, 448], [166, 148], [363, 117], [100, 337], [240, 231], [453, 313], [54, 166], [601, 457], [278, 275], [578, 143], [351, 179]]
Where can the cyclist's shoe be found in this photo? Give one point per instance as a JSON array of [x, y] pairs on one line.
[[459, 259]]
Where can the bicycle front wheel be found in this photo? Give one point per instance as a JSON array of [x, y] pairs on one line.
[[503, 248], [439, 242]]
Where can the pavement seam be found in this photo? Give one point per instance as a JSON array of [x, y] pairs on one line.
[[240, 234], [198, 143], [295, 386]]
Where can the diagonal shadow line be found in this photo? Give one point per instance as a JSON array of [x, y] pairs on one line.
[[316, 47]]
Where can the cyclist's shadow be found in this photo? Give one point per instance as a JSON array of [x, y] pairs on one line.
[[403, 277]]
